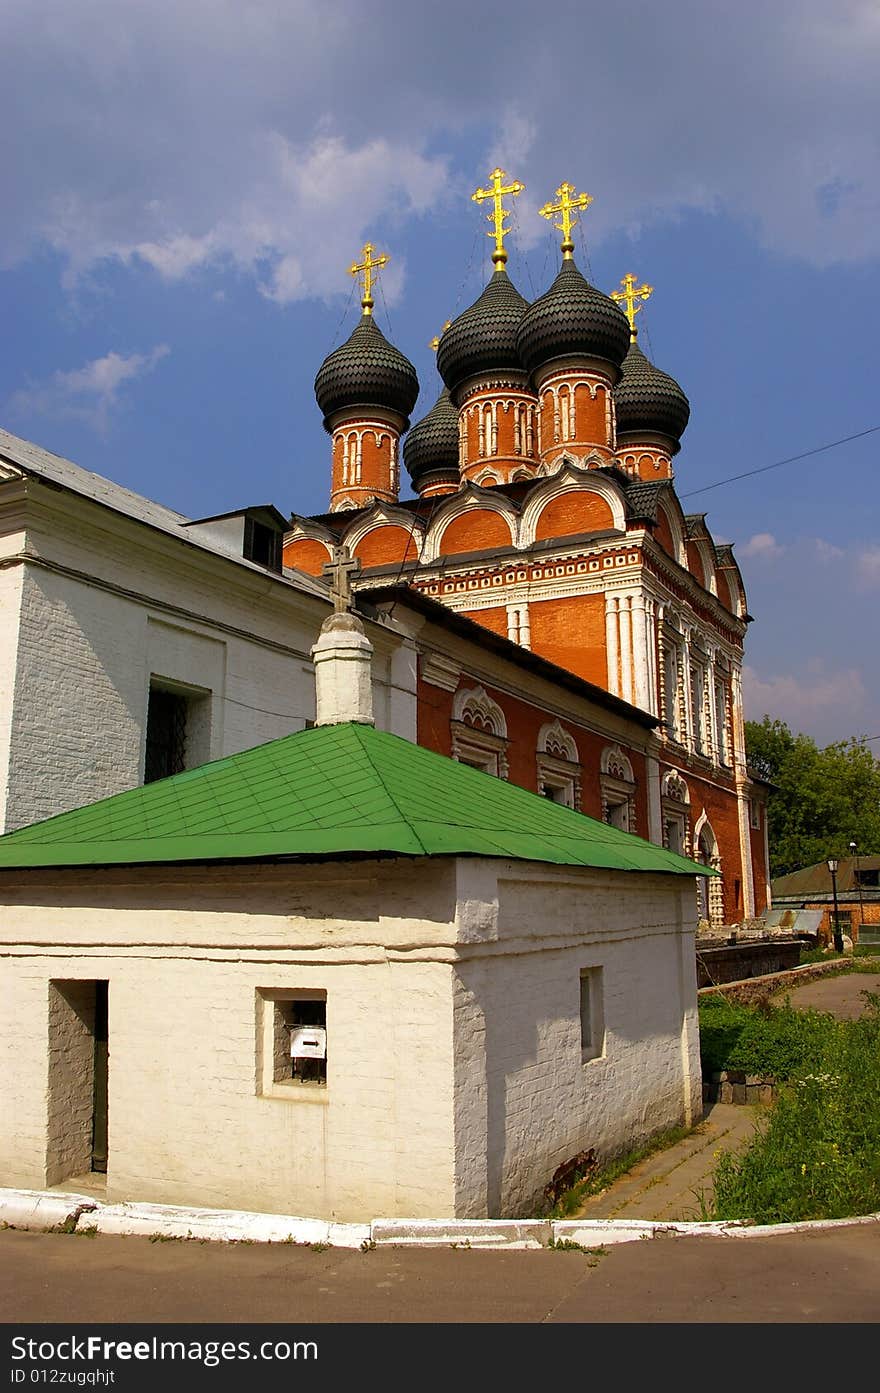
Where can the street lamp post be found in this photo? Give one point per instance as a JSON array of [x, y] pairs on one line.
[[838, 936], [855, 851]]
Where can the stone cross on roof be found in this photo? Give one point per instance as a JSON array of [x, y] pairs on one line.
[[339, 571]]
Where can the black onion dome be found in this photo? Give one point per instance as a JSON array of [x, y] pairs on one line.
[[366, 371], [572, 320], [483, 338], [647, 399], [433, 442]]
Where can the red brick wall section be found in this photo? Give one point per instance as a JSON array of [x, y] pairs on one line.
[[571, 632], [695, 563], [524, 722], [386, 544], [494, 619], [306, 555], [478, 530], [575, 511], [663, 534]]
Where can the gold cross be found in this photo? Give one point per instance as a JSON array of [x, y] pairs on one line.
[[568, 200], [435, 341], [630, 293], [496, 192], [339, 572], [368, 267]]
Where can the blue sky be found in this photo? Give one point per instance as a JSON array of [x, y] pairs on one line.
[[187, 182]]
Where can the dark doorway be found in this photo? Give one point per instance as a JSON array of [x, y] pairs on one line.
[[99, 1104]]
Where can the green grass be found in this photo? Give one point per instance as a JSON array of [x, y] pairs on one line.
[[817, 1154], [594, 1184]]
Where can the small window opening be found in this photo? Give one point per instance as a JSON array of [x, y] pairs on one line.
[[300, 1039], [592, 1015], [166, 735]]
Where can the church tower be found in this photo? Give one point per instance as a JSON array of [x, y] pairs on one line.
[[652, 411], [366, 390], [572, 341], [480, 363]]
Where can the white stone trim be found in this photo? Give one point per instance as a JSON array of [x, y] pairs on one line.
[[554, 739], [382, 515], [569, 478], [467, 500], [476, 701]]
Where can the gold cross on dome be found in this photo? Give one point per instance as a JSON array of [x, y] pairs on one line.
[[340, 571], [367, 268], [496, 191], [435, 341], [568, 201], [630, 293]]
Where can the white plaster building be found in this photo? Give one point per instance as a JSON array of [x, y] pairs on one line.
[[108, 600], [488, 1015]]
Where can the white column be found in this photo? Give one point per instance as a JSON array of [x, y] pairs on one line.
[[651, 639], [640, 651], [525, 626], [612, 647], [626, 649], [742, 784]]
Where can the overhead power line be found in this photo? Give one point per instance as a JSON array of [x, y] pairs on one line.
[[778, 463]]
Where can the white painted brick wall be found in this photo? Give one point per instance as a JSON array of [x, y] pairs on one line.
[[455, 1082], [525, 1101], [73, 719]]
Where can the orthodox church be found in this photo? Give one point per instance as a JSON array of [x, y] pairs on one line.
[[546, 512]]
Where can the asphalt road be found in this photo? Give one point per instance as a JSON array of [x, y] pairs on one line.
[[826, 1276]]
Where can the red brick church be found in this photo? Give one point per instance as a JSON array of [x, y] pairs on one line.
[[546, 511]]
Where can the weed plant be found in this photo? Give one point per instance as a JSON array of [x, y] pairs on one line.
[[817, 1153]]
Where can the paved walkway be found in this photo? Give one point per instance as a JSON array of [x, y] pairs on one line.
[[670, 1184]]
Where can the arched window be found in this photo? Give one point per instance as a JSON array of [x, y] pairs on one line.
[[617, 786], [710, 889], [674, 804], [558, 765], [479, 732]]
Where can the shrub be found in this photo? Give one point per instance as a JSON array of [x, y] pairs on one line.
[[817, 1155], [774, 1041]]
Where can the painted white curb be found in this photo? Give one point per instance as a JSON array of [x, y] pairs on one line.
[[38, 1209], [221, 1225], [46, 1210], [482, 1233]]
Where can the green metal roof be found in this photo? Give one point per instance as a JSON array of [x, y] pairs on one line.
[[332, 791]]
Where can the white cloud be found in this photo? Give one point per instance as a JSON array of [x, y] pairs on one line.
[[277, 135], [868, 567], [763, 545], [90, 393], [800, 699], [828, 552]]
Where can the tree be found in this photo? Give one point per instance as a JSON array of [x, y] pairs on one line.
[[822, 799]]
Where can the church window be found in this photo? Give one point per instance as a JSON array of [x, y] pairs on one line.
[[617, 787], [675, 808], [479, 732], [698, 714], [721, 722], [592, 1014], [166, 735], [558, 766], [754, 813], [292, 1041], [671, 712]]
